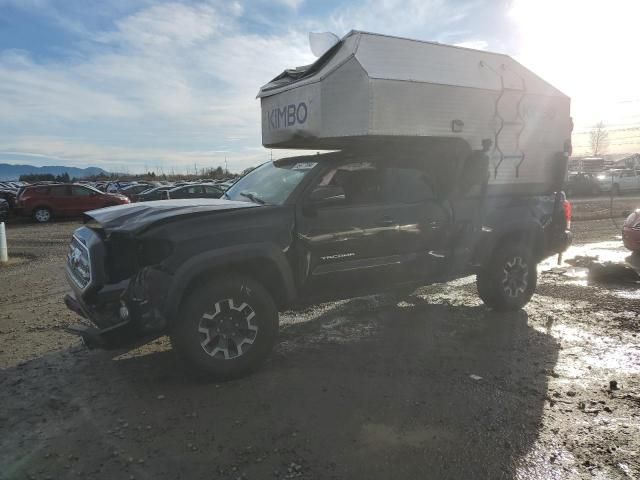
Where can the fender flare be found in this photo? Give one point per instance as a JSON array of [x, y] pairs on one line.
[[529, 229], [221, 257]]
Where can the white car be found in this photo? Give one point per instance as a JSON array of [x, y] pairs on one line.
[[619, 181]]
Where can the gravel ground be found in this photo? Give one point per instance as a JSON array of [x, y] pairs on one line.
[[429, 386]]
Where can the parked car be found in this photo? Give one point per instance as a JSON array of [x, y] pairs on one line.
[[631, 231], [4, 210], [132, 191], [582, 184], [44, 202], [157, 193], [195, 191], [619, 181]]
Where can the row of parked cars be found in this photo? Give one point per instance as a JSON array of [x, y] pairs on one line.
[[615, 181], [44, 201]]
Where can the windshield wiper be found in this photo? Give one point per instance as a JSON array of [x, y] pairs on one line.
[[253, 198]]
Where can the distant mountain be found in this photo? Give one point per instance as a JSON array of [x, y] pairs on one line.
[[13, 172]]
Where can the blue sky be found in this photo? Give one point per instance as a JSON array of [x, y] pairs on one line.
[[134, 84]]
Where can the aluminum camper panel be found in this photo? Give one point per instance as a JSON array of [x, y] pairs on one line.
[[393, 58], [346, 102], [419, 109]]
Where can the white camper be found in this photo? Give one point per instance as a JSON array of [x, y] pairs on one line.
[[370, 86]]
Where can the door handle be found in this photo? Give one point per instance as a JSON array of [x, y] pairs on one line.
[[386, 222]]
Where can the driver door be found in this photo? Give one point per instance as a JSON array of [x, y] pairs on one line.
[[345, 237]]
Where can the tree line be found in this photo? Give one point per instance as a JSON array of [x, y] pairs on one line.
[[217, 173]]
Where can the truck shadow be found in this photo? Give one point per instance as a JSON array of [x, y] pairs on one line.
[[411, 390]]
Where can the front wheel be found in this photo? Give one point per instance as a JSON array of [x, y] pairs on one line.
[[509, 281], [226, 328]]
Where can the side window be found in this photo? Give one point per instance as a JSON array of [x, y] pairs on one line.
[[59, 191], [406, 185], [352, 184], [77, 191], [211, 190]]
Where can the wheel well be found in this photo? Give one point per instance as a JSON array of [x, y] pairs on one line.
[[525, 236], [261, 270]]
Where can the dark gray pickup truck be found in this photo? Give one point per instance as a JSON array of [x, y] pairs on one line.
[[213, 274]]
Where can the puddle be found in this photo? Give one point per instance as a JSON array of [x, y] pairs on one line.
[[609, 251], [633, 294], [595, 351], [598, 264]]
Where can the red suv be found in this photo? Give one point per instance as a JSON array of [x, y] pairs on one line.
[[43, 202]]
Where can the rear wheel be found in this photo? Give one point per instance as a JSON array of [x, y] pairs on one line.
[[226, 328], [42, 215], [509, 280]]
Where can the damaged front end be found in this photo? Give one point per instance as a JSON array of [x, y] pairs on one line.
[[119, 284]]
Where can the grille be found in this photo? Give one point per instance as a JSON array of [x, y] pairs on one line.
[[79, 263]]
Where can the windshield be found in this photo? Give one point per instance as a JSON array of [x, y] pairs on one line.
[[270, 183]]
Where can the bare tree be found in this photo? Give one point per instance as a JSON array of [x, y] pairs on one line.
[[599, 138]]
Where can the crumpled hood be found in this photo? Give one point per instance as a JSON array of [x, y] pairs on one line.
[[136, 217]]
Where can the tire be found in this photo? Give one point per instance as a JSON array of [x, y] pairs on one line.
[[195, 336], [494, 287], [42, 215]]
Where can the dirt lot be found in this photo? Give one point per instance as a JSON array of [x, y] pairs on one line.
[[429, 386]]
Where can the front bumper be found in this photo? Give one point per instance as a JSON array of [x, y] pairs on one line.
[[113, 336]]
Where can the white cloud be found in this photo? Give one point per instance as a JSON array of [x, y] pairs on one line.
[[169, 79], [294, 4], [168, 25]]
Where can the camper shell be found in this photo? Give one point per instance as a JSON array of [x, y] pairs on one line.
[[371, 87]]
